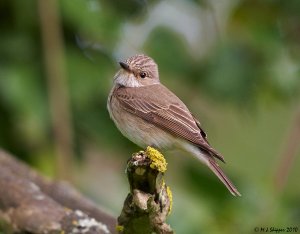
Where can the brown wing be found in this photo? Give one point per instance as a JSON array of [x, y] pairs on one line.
[[165, 111]]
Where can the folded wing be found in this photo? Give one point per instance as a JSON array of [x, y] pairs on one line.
[[166, 112]]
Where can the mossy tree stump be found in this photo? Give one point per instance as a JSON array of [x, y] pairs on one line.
[[150, 200]]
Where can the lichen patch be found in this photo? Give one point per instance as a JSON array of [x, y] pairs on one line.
[[158, 161]]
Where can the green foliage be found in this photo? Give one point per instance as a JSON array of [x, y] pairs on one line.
[[253, 62], [164, 39], [233, 74]]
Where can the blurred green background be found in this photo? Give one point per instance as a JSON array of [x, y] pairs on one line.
[[234, 63]]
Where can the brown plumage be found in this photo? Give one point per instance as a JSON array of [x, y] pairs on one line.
[[148, 113]]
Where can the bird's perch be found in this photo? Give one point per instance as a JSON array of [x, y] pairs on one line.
[[31, 203], [149, 202]]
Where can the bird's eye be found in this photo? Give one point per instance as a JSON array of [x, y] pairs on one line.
[[143, 75]]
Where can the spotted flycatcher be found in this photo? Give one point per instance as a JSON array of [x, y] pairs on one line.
[[149, 114]]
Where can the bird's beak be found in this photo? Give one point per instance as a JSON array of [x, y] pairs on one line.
[[125, 66]]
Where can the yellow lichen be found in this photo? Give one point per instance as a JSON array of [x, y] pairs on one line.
[[120, 228], [140, 171], [158, 161], [170, 195], [74, 222]]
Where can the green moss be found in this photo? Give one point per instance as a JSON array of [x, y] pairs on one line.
[[158, 161], [119, 228]]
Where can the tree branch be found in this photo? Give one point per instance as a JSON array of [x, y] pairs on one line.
[[32, 203], [288, 155], [149, 202], [58, 95]]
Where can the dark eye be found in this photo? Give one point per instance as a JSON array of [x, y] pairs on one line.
[[143, 75]]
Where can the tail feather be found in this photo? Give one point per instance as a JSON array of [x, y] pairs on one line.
[[221, 175], [208, 158]]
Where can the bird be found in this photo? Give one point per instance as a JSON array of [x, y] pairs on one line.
[[149, 114]]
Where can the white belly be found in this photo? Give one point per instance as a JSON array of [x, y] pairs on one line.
[[138, 130]]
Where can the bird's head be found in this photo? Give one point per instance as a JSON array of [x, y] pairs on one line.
[[136, 71]]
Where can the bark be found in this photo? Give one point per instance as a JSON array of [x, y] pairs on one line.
[[149, 202], [57, 84], [32, 203], [289, 154]]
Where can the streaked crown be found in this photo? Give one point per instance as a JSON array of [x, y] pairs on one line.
[[143, 63]]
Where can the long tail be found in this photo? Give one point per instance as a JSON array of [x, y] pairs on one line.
[[221, 175]]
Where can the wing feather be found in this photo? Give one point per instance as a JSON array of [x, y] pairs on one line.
[[168, 113]]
